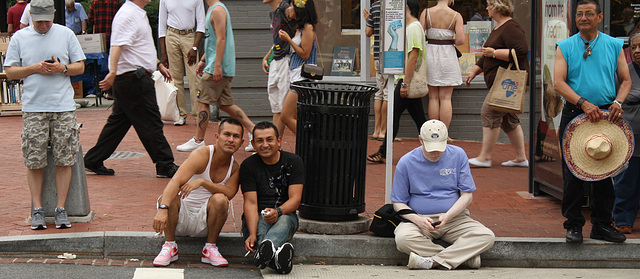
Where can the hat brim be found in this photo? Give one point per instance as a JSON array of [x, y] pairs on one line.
[[46, 17], [579, 130], [435, 146]]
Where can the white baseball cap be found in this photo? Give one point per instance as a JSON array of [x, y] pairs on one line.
[[434, 135]]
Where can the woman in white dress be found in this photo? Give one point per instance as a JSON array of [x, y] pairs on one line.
[[444, 30]]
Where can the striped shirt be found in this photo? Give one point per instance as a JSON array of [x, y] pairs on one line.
[[374, 22]]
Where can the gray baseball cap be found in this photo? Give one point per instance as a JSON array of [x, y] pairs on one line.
[[42, 10]]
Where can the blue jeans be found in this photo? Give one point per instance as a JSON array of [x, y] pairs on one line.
[[627, 188], [279, 233]]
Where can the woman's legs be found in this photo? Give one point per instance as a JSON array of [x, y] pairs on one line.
[[440, 103], [516, 137], [489, 138], [289, 116]]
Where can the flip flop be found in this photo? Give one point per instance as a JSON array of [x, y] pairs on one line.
[[376, 158], [373, 138]]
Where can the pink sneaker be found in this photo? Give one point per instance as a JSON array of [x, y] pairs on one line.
[[211, 256], [168, 254]]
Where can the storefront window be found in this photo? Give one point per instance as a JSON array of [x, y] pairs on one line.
[[625, 15], [338, 32]]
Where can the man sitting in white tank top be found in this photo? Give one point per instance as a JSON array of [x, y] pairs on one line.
[[195, 202]]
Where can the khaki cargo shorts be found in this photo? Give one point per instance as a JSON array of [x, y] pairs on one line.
[[215, 93]]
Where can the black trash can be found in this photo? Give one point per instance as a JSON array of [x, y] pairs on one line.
[[332, 141]]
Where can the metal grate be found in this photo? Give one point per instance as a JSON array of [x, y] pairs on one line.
[[125, 155]]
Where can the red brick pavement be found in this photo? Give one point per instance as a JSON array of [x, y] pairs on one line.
[[125, 202]]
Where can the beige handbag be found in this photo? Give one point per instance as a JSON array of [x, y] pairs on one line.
[[418, 86], [508, 89]]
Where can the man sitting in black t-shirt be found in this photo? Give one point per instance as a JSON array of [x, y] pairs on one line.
[[271, 181]]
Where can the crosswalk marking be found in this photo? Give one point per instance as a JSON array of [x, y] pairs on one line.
[[158, 273]]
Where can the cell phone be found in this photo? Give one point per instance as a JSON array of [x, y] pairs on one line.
[[435, 223], [49, 61], [140, 72]]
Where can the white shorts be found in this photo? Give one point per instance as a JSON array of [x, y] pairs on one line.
[[192, 221], [278, 85]]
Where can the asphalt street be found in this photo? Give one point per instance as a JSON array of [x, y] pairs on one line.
[[30, 270]]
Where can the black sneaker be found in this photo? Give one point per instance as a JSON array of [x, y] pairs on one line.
[[265, 253], [607, 232], [284, 258], [166, 172], [101, 170], [574, 235]]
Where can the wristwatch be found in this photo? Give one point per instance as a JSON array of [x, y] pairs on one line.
[[195, 48], [404, 85], [67, 69], [163, 206], [279, 211]]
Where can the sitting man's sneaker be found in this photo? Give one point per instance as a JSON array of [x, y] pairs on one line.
[[168, 254], [264, 254], [284, 258], [101, 170], [62, 221], [473, 263], [417, 262], [190, 145], [37, 219], [212, 256], [574, 235], [180, 121], [607, 232], [167, 171]]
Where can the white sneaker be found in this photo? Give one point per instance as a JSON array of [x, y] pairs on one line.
[[249, 147], [190, 145], [474, 162], [180, 121], [417, 262], [510, 163], [473, 262]]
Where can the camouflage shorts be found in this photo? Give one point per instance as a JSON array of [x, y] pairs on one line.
[[61, 129]]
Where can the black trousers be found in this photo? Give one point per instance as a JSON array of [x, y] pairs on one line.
[[134, 104], [573, 188], [414, 106]]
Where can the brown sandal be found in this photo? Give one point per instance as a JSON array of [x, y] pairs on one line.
[[376, 158]]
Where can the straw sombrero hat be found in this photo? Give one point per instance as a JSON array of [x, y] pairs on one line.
[[595, 151]]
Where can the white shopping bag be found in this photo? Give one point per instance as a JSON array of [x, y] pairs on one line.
[[166, 97]]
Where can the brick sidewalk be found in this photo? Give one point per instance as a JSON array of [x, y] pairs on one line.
[[126, 201]]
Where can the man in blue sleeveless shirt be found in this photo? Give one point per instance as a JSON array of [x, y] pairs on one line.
[[217, 68], [585, 69]]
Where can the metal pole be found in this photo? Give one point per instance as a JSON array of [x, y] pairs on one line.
[[532, 90]]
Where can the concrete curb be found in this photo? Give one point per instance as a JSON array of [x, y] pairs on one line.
[[328, 249]]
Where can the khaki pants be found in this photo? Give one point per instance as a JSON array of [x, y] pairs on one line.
[[468, 238], [178, 47]]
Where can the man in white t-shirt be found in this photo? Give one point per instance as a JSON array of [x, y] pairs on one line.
[[434, 180], [196, 200], [44, 56]]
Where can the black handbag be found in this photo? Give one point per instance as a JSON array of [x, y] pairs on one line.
[[312, 71], [386, 219]]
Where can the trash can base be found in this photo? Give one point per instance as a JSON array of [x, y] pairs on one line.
[[324, 213]]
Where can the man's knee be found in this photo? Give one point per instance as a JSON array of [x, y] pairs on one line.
[[218, 203]]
